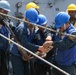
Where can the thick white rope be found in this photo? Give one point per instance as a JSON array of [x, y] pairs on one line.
[[35, 55]]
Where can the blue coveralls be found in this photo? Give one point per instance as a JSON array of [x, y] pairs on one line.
[[65, 52], [3, 48], [42, 68], [25, 37]]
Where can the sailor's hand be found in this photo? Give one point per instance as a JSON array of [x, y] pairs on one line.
[[25, 55], [48, 38], [47, 44], [42, 49], [41, 54], [26, 58]]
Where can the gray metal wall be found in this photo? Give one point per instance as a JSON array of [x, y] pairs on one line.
[[48, 11]]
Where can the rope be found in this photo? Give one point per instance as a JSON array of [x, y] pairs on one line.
[[65, 34], [35, 55]]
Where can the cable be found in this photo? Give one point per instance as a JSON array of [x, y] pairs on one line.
[[35, 55], [65, 34]]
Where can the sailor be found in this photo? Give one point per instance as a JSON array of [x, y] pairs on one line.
[[32, 5], [25, 33], [64, 46], [4, 8], [71, 9], [42, 68]]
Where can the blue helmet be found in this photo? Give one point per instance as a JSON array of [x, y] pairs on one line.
[[5, 5], [61, 18], [42, 20], [32, 15]]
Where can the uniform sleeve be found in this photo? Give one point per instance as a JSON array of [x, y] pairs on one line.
[[65, 44], [22, 36]]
